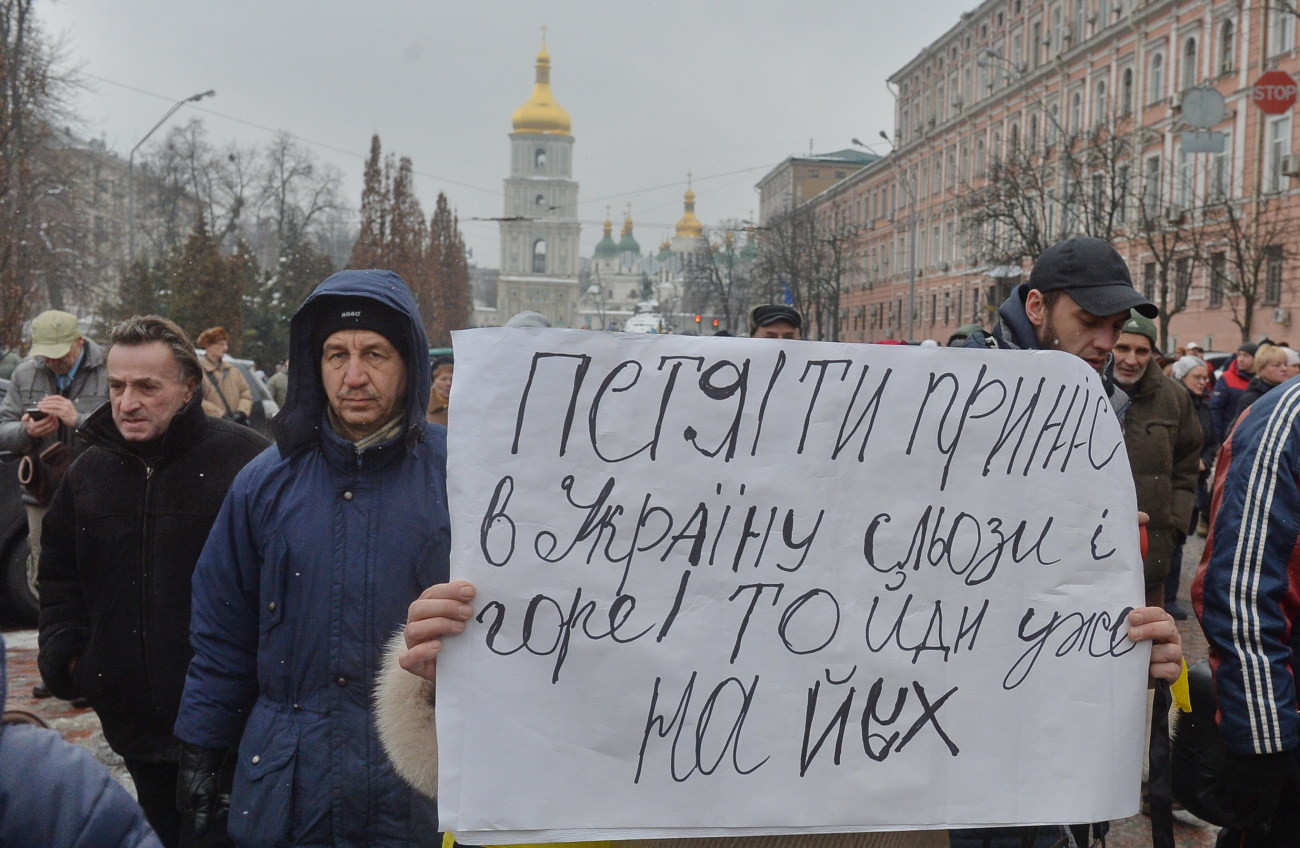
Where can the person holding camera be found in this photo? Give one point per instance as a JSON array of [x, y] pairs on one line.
[[51, 393], [225, 391]]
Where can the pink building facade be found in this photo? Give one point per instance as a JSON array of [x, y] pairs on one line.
[[1019, 87]]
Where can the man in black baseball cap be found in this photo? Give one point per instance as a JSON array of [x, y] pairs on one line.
[[1077, 300], [775, 321]]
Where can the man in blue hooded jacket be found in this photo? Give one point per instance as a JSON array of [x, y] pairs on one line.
[[319, 548]]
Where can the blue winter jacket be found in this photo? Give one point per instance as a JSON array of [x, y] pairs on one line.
[[1247, 590], [53, 792], [310, 567]]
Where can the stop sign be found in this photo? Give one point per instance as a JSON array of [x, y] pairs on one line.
[[1274, 92]]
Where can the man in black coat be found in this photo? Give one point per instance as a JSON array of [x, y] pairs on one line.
[[119, 545]]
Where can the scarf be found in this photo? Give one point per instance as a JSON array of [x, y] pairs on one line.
[[385, 433]]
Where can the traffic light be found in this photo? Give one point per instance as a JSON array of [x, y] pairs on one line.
[[715, 323], [697, 318]]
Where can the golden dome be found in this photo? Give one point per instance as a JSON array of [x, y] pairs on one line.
[[541, 114], [689, 226]]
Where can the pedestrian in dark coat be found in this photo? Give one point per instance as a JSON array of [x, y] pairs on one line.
[[1225, 397], [1193, 374], [1163, 440], [55, 793], [320, 548], [120, 541]]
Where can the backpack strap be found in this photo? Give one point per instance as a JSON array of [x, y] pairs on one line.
[[212, 376]]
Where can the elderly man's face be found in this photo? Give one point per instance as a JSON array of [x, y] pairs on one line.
[[364, 379], [64, 363], [778, 330], [145, 390], [1067, 326], [1132, 353]]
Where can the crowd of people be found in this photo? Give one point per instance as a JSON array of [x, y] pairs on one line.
[[224, 602]]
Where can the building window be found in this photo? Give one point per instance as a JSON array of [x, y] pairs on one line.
[[1157, 79], [1186, 179], [1279, 145], [1273, 274], [1149, 281], [1151, 188], [1227, 47], [1189, 63], [1076, 112], [1221, 173], [1283, 29], [1101, 108], [1182, 281], [1126, 92], [1218, 278], [539, 256], [1121, 200], [539, 158]]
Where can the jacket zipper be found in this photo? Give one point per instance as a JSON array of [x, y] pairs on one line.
[[146, 576]]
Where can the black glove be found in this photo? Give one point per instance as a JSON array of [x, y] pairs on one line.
[[238, 418], [1250, 787], [198, 789]]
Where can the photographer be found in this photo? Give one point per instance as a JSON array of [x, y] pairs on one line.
[[225, 392], [50, 394]]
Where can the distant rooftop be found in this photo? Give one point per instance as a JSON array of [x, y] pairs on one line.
[[850, 155]]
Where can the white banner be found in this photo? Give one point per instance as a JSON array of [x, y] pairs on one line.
[[741, 586]]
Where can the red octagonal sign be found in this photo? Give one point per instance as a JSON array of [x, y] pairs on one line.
[[1274, 92]]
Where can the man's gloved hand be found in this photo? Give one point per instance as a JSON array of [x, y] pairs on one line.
[[198, 789], [1250, 786]]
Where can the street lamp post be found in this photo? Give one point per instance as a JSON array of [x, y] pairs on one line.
[[130, 166], [911, 237]]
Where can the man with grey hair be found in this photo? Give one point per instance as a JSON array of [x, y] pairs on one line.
[[121, 538]]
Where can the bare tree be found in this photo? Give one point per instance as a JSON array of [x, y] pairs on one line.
[[1034, 194], [720, 278], [38, 226], [805, 260], [1166, 234], [1248, 239], [295, 190]]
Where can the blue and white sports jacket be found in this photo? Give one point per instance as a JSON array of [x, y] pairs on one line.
[[1247, 590]]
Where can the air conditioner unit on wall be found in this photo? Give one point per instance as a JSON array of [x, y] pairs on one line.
[[1281, 315], [1174, 213], [1289, 165]]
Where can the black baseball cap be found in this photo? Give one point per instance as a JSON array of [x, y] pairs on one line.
[[770, 313], [1093, 274]]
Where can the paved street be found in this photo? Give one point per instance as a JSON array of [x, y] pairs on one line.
[[82, 727]]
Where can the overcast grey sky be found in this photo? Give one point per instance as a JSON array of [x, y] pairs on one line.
[[724, 89]]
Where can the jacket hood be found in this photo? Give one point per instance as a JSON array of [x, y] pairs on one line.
[[298, 426], [1014, 328]]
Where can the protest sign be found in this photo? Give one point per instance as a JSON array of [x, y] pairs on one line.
[[742, 586]]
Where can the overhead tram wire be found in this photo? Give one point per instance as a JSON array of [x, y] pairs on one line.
[[313, 142], [494, 192]]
